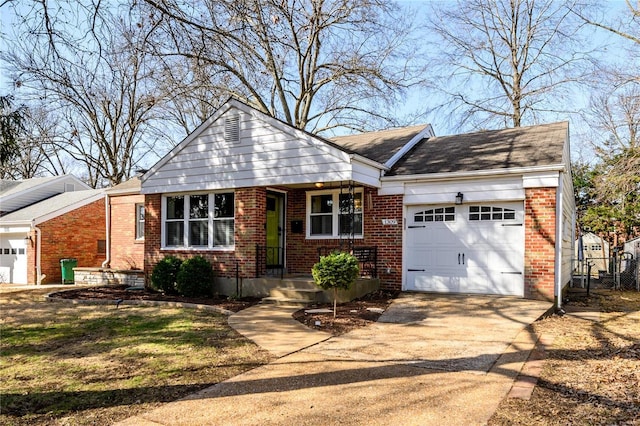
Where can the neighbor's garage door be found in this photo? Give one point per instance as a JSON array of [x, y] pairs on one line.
[[475, 248], [13, 259]]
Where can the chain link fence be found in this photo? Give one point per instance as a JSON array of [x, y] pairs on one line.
[[619, 271]]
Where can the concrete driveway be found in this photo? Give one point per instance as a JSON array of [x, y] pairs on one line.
[[429, 360]]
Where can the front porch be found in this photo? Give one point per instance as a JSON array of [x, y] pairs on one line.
[[277, 237], [266, 266], [293, 290]]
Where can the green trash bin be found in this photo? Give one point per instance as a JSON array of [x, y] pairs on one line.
[[67, 266]]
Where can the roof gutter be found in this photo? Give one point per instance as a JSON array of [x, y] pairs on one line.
[[16, 223], [473, 174], [367, 161]]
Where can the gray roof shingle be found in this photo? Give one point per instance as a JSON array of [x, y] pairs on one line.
[[378, 146], [532, 146]]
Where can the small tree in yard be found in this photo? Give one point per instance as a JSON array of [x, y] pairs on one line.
[[336, 271]]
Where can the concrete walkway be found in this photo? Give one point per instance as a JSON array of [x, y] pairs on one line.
[[274, 329], [430, 360]]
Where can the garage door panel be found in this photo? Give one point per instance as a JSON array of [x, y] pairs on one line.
[[441, 283], [484, 255], [491, 259], [13, 259]]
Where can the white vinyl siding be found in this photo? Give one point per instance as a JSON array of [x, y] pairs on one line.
[[202, 221], [267, 154]]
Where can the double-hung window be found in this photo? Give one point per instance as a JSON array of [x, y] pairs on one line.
[[139, 221], [331, 214], [199, 220]]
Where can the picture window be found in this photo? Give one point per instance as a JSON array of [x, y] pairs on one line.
[[208, 219]]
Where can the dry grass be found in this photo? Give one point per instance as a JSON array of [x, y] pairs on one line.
[[76, 365], [592, 372]]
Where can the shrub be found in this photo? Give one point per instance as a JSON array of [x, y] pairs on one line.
[[195, 277], [165, 273], [336, 271]]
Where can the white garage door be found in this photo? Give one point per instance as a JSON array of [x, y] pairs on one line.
[[13, 259], [474, 248]]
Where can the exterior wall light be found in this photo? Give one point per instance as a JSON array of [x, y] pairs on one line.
[[459, 197]]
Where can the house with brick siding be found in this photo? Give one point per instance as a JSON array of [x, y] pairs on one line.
[[490, 212], [63, 225], [125, 222]]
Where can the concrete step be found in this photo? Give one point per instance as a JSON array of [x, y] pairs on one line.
[[298, 283], [309, 294], [282, 301]]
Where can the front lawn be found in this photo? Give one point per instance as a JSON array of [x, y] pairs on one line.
[[592, 372], [68, 364]]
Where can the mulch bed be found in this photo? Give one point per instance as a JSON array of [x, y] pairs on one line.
[[349, 316], [120, 292], [355, 314]]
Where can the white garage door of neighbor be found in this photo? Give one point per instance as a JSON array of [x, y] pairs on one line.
[[469, 248], [13, 259]]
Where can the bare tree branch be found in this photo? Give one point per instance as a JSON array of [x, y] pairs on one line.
[[501, 61]]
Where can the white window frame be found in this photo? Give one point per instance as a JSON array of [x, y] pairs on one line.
[[492, 212], [447, 216], [335, 214], [211, 221], [139, 223]]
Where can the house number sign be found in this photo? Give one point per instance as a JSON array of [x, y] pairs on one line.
[[389, 221]]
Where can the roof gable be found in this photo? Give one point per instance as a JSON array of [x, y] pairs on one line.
[[523, 147], [52, 207], [266, 152], [15, 195]]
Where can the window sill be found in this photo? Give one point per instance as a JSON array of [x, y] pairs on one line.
[[333, 237], [196, 249]]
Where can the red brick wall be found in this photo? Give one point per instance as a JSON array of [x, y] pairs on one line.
[[72, 235], [540, 239], [303, 253], [126, 251], [250, 230], [31, 259]]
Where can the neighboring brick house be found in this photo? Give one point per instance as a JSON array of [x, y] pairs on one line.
[[67, 225], [126, 226], [490, 212]]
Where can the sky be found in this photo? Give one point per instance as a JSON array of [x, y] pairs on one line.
[[414, 99]]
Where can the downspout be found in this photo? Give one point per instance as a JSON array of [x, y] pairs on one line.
[[39, 276], [107, 218], [558, 254]]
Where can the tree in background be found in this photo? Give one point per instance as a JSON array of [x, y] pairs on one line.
[[87, 65], [11, 125], [505, 62], [614, 116], [37, 151], [316, 65]]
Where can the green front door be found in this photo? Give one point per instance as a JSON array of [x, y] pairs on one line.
[[275, 229]]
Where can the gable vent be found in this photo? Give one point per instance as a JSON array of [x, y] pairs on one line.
[[232, 129]]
